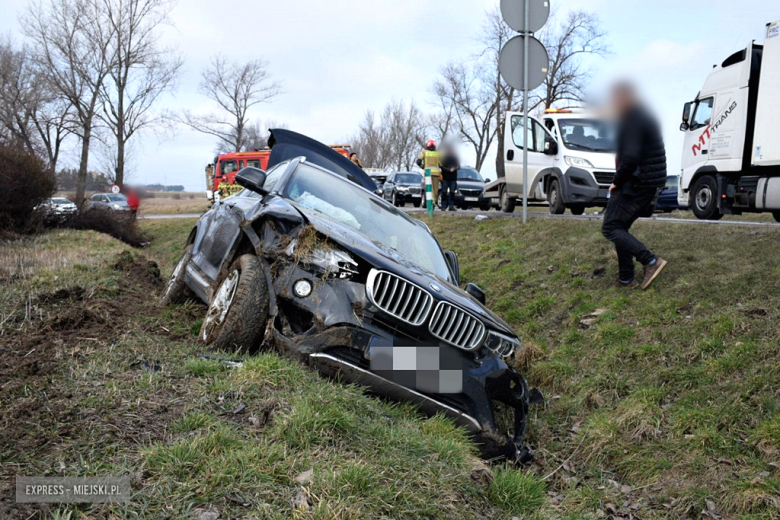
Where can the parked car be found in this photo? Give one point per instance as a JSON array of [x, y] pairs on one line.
[[58, 209], [379, 179], [309, 261], [667, 199], [403, 187], [109, 201], [471, 190]]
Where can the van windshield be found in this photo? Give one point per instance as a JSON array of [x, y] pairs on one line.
[[588, 135]]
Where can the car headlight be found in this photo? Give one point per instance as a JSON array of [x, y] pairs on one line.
[[403, 188], [577, 161], [501, 344], [116, 206], [331, 260]]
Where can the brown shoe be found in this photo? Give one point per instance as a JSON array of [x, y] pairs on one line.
[[652, 272], [632, 284]]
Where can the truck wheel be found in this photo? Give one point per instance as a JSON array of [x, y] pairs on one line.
[[776, 214], [577, 210], [555, 200], [507, 203], [238, 313], [177, 291], [705, 199]]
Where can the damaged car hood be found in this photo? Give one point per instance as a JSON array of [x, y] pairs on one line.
[[383, 257]]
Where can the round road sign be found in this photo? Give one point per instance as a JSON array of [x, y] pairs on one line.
[[511, 59], [114, 189], [514, 14]]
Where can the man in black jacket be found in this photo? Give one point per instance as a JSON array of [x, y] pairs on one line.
[[449, 176], [641, 172]]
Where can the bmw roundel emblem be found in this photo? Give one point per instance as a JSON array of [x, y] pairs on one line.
[[435, 287]]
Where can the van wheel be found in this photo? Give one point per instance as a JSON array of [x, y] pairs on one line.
[[705, 199], [577, 210], [238, 313], [507, 203], [555, 200], [776, 214], [177, 291]]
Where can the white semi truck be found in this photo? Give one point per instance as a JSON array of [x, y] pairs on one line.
[[731, 157], [571, 161]]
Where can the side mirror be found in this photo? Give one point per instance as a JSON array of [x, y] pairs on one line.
[[686, 116], [550, 146], [477, 292], [252, 179], [487, 181], [452, 261]]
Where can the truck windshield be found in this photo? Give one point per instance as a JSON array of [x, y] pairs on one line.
[[348, 204], [588, 135]]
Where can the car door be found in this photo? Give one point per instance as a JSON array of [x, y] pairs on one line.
[[388, 187], [537, 161]]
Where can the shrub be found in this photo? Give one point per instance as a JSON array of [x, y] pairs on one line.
[[121, 226], [26, 183]]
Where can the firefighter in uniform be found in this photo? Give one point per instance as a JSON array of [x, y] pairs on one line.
[[429, 161]]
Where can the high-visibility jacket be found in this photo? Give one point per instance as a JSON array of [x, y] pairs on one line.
[[430, 161]]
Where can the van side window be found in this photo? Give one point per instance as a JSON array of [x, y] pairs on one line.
[[519, 132], [703, 113]]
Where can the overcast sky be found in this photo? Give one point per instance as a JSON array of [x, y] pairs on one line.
[[336, 59]]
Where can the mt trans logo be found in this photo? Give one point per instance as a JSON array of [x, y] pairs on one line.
[[712, 128]]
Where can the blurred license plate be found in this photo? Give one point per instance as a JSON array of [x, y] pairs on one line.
[[416, 196], [471, 199]]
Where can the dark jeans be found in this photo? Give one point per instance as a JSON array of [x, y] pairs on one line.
[[624, 207], [448, 193]]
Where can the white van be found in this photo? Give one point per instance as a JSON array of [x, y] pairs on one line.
[[571, 161]]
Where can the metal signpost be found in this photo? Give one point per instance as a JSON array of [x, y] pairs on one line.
[[526, 17]]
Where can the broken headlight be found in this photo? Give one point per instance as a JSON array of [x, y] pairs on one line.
[[501, 344], [330, 260]]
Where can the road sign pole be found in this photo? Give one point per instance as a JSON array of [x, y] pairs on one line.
[[526, 141]]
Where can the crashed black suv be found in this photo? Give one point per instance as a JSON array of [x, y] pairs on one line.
[[308, 260]]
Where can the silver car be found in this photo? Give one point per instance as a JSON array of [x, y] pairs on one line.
[[109, 201]]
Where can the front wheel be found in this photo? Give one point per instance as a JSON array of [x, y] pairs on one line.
[[705, 199], [417, 203], [555, 200], [577, 210], [177, 291], [238, 313], [507, 202], [776, 214]]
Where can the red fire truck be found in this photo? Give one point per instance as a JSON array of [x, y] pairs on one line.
[[221, 175]]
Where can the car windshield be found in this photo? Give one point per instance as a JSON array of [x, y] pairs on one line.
[[350, 205], [117, 198], [408, 178], [589, 135], [60, 200], [672, 182], [467, 174]]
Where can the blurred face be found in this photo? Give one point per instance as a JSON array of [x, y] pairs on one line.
[[623, 99]]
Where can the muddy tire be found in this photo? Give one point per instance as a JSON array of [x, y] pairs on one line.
[[704, 198], [237, 316], [555, 200], [177, 291]]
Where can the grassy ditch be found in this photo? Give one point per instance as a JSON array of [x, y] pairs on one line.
[[660, 404]]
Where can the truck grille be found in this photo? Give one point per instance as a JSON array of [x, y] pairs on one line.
[[399, 298], [604, 177], [457, 327]]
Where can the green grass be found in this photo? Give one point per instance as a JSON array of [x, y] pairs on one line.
[[665, 403]]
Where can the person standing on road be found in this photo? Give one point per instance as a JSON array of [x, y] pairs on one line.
[[641, 172], [450, 164], [429, 161]]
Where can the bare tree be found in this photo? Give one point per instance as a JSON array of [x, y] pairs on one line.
[[395, 140], [71, 48], [32, 113], [140, 71], [567, 42], [467, 90], [235, 88], [370, 143]]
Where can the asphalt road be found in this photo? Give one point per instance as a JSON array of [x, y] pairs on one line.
[[534, 214]]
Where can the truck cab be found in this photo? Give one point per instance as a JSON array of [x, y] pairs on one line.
[[731, 152], [571, 160]]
